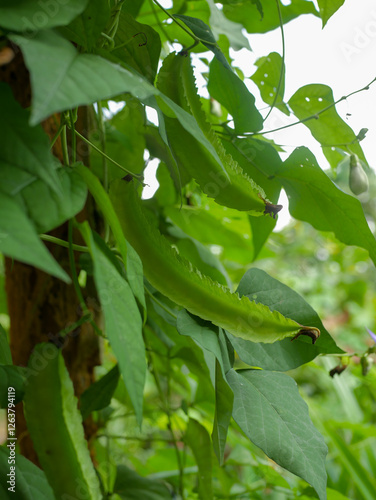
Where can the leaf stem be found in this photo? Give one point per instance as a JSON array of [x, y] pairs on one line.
[[137, 176], [56, 136], [160, 303], [73, 131], [102, 134], [195, 38], [64, 145]]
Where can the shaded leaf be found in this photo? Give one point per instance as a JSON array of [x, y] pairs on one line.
[[17, 233], [57, 432], [12, 376], [31, 481], [270, 411], [220, 25], [284, 355], [197, 438], [5, 354], [23, 147], [131, 486], [227, 88], [203, 31], [99, 394], [328, 128], [141, 46], [85, 29], [33, 15], [123, 323]]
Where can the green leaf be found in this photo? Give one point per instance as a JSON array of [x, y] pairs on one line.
[[314, 198], [285, 355], [328, 8], [85, 29], [17, 233], [327, 128], [31, 482], [5, 353], [232, 93], [248, 14], [203, 31], [123, 323], [270, 411], [197, 438], [28, 190], [12, 376], [57, 431], [131, 486], [224, 399], [62, 78], [33, 15], [267, 76], [141, 46], [220, 25], [99, 394], [23, 147]]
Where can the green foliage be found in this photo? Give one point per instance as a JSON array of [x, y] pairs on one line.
[[190, 401]]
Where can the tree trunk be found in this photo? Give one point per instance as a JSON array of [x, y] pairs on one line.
[[39, 305]]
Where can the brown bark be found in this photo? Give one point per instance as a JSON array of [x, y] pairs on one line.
[[40, 305]]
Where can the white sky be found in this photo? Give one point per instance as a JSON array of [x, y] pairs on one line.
[[342, 55]]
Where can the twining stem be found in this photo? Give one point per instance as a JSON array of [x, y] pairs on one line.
[[75, 282], [281, 73], [64, 145], [161, 27], [63, 243], [73, 326], [56, 136], [102, 134], [137, 176], [73, 131]]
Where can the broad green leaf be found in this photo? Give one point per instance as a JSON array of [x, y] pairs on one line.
[[227, 88], [284, 355], [328, 8], [203, 31], [131, 486], [12, 376], [131, 260], [132, 6], [33, 15], [270, 411], [139, 46], [248, 14], [57, 432], [252, 155], [24, 147], [197, 438], [220, 25], [363, 481], [267, 77], [224, 399], [62, 78], [99, 394], [31, 482], [85, 29], [5, 354], [206, 335], [314, 198], [123, 322], [327, 128], [19, 239], [27, 189]]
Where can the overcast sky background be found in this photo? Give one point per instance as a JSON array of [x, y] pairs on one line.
[[342, 55]]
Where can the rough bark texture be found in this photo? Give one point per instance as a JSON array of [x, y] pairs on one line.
[[40, 305]]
